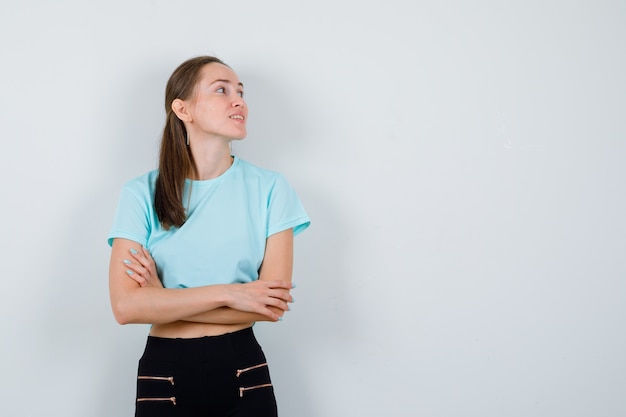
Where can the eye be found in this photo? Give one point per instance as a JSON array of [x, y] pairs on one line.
[[240, 94], [220, 90]]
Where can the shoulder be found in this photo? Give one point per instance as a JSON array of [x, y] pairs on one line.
[[272, 183], [142, 184], [264, 175], [140, 190]]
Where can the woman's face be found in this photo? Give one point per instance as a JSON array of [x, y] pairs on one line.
[[217, 108]]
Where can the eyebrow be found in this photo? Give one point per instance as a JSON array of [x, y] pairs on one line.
[[225, 81]]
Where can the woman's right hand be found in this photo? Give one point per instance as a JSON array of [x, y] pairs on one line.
[[267, 297]]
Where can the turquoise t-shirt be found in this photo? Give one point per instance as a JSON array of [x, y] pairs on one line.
[[229, 219]]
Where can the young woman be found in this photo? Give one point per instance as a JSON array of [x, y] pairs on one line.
[[201, 249]]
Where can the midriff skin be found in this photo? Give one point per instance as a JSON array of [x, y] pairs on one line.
[[188, 330]]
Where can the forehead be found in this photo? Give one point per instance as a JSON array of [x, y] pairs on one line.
[[215, 71]]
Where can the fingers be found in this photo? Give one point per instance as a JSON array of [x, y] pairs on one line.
[[268, 298], [142, 257], [279, 293], [286, 285], [137, 278], [276, 316], [265, 311], [273, 313], [279, 304], [135, 267], [139, 268], [145, 252], [277, 299], [269, 295], [280, 284]]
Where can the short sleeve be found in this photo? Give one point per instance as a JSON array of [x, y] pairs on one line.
[[131, 219], [285, 211]]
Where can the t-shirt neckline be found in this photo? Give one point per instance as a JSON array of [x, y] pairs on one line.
[[204, 183]]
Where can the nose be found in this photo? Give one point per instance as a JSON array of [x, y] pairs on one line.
[[238, 101]]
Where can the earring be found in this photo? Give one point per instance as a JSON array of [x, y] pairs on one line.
[[187, 139]]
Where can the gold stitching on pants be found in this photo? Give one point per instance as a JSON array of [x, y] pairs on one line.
[[172, 399], [241, 371], [158, 378], [244, 389]]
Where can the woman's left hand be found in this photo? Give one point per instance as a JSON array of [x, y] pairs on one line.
[[142, 269]]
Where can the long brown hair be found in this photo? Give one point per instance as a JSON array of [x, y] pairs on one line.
[[175, 159]]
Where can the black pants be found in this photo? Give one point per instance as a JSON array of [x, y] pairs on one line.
[[216, 376]]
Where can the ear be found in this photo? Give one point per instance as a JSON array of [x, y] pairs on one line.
[[180, 108]]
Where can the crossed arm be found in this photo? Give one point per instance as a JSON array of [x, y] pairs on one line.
[[141, 298]]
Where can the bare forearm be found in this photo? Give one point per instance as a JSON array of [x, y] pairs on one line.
[[162, 305], [227, 315]]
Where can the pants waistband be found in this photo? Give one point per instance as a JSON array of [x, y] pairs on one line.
[[207, 348]]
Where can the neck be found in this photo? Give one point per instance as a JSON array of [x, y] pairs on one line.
[[211, 158]]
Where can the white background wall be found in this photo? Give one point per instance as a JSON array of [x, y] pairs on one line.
[[463, 164]]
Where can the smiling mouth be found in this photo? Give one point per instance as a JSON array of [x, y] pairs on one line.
[[237, 116]]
